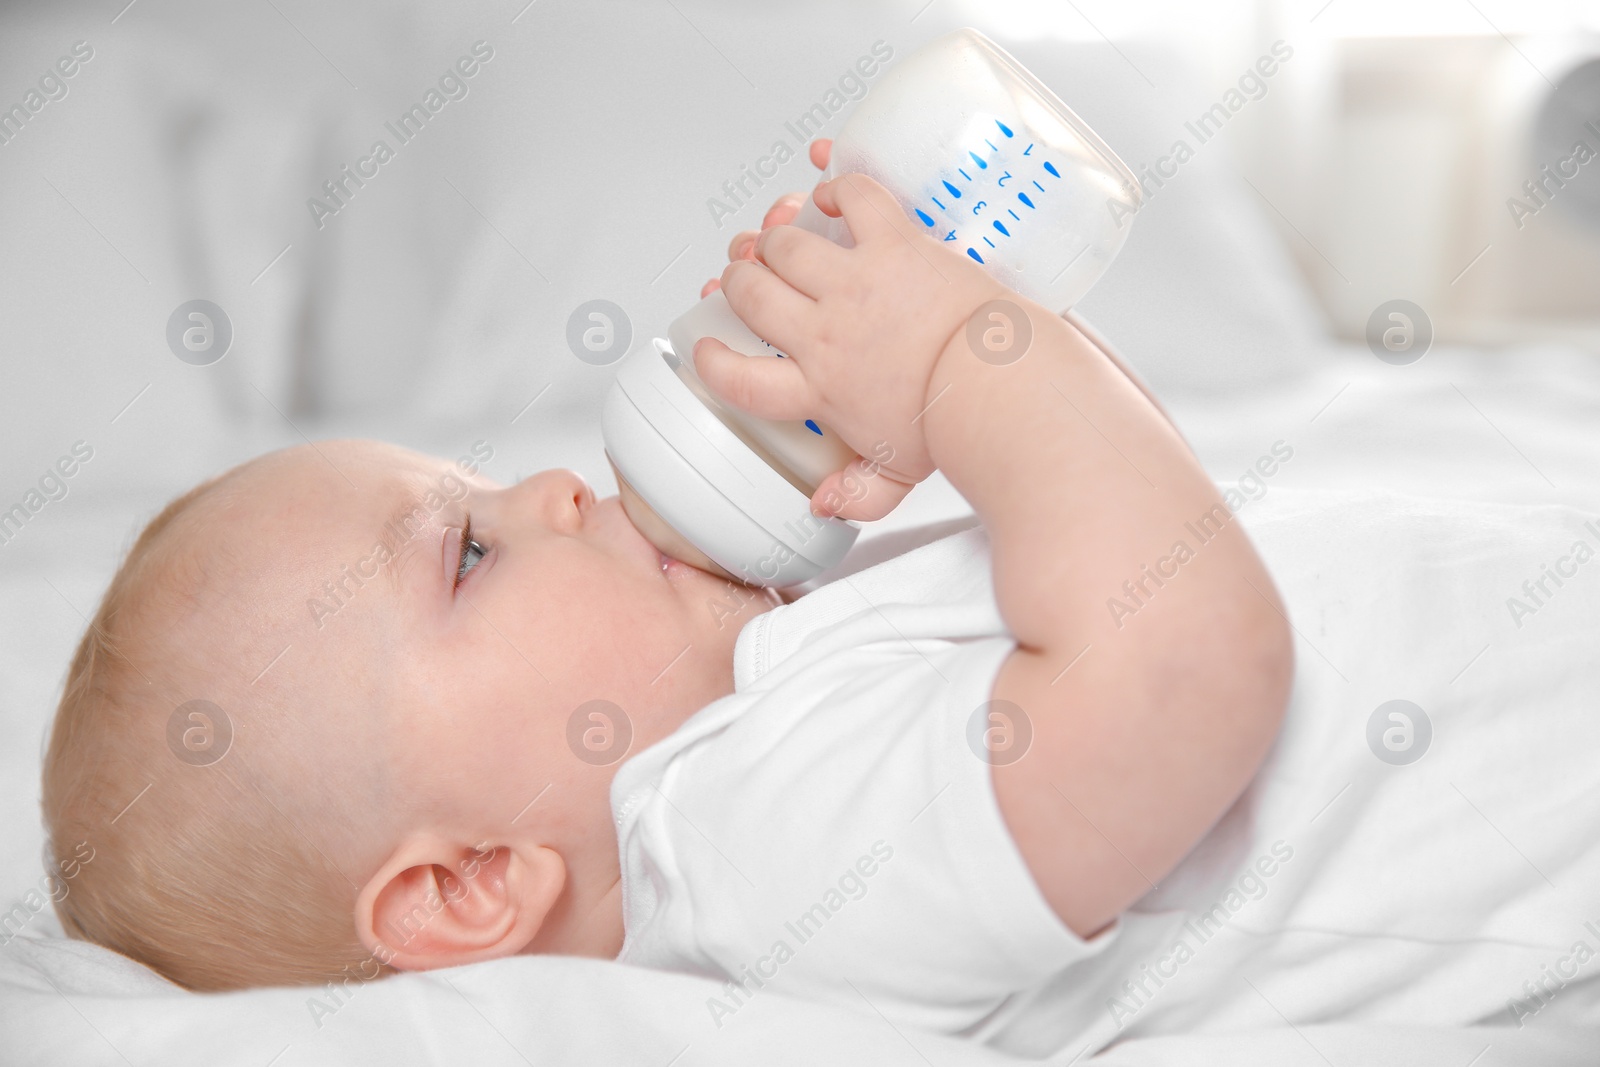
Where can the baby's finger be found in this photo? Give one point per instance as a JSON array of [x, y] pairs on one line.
[[775, 311], [742, 246], [766, 386], [821, 150], [739, 247], [805, 260], [868, 208], [859, 493], [783, 210]]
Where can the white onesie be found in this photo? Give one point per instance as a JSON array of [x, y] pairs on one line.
[[828, 830]]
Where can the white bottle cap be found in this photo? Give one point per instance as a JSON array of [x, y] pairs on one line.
[[707, 484]]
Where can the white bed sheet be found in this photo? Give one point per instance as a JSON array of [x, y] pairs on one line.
[[73, 1009]]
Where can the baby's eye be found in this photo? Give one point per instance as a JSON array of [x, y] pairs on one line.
[[471, 553]]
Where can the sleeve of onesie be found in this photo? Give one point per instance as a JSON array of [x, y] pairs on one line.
[[839, 839], [975, 927]]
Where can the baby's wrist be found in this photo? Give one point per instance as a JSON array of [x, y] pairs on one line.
[[997, 330]]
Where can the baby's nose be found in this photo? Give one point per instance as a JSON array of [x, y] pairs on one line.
[[578, 490], [563, 495]]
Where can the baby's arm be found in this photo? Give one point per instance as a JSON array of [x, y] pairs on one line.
[[1147, 721]]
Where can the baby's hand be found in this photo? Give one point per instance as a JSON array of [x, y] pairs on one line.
[[864, 328]]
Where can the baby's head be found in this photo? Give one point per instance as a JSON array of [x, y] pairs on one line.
[[313, 729]]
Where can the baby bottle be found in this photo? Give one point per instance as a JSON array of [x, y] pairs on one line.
[[981, 155]]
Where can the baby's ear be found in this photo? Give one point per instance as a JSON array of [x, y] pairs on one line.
[[438, 903]]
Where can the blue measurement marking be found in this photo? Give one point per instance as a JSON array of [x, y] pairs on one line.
[[1039, 187], [1028, 151], [1024, 198], [927, 220], [1013, 214], [953, 191], [991, 144], [936, 200], [973, 252], [981, 164], [813, 428], [988, 242], [1003, 127], [1051, 167], [1001, 228], [964, 174]]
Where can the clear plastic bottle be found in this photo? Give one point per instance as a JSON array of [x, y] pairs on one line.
[[981, 154]]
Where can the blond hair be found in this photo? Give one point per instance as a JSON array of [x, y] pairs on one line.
[[197, 871]]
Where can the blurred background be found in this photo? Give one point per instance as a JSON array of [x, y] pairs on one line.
[[1437, 152]]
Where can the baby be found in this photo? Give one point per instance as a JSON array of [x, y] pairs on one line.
[[348, 709]]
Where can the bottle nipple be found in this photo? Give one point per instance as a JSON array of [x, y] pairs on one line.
[[660, 533]]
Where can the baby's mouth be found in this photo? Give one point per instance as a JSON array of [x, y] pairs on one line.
[[672, 548]]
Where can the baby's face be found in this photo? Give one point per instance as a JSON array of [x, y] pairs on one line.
[[455, 675]]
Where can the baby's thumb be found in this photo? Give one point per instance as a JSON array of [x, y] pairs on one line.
[[859, 491]]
